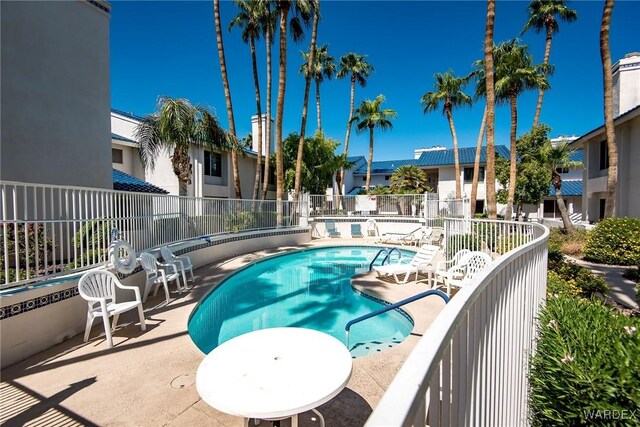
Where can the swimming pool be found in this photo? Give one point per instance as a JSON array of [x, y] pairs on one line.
[[307, 288]]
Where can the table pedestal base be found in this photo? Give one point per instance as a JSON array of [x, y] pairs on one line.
[[294, 420]]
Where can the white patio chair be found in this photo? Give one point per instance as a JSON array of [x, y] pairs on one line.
[[462, 272], [98, 288], [183, 263], [156, 275], [420, 261]]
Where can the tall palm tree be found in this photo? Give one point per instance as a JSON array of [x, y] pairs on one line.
[[305, 103], [490, 175], [409, 179], [480, 93], [302, 11], [369, 115], [554, 158], [324, 67], [227, 97], [358, 69], [174, 128], [248, 19], [542, 16], [515, 73], [448, 92], [268, 24], [605, 54]]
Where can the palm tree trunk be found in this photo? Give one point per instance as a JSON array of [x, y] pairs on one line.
[[351, 107], [456, 160], [370, 158], [476, 164], [547, 53], [305, 103], [319, 118], [267, 155], [282, 81], [612, 176], [513, 98], [490, 173], [556, 180], [256, 83], [227, 97]]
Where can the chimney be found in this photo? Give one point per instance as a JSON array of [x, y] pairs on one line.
[[626, 83]]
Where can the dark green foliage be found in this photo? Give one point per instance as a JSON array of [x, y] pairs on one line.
[[615, 241], [38, 243], [580, 277], [462, 241], [586, 360]]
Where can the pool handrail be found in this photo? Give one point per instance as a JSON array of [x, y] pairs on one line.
[[393, 307], [388, 251]]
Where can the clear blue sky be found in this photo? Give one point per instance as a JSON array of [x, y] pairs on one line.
[[169, 48]]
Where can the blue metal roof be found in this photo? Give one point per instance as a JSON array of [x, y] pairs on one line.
[[576, 156], [385, 166], [353, 159], [125, 182], [466, 156], [122, 138], [354, 191], [570, 187], [125, 114]]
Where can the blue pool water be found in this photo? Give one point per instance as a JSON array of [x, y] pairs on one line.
[[308, 288]]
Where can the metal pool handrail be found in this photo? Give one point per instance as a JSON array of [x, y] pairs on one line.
[[393, 307], [388, 251]]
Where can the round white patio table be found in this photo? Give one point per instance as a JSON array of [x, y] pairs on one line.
[[272, 374]]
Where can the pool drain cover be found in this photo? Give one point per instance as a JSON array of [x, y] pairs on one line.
[[183, 381]]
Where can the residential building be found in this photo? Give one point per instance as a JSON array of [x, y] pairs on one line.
[[626, 100], [55, 96]]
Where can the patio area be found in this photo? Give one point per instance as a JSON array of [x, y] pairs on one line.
[[148, 378]]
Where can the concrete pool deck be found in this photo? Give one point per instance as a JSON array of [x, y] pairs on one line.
[[147, 379]]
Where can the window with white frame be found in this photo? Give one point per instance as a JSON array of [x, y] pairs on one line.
[[212, 163]]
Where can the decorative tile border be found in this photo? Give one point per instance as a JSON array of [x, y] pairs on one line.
[[384, 302], [54, 297]]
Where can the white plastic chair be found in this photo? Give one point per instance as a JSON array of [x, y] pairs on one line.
[[462, 272], [420, 261], [98, 288], [157, 276], [183, 263]]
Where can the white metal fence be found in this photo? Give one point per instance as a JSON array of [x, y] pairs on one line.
[[48, 230], [470, 368]]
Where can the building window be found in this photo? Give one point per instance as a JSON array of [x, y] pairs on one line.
[[364, 178], [604, 155], [386, 177], [602, 205], [549, 207], [116, 155], [212, 164], [562, 170], [468, 174]]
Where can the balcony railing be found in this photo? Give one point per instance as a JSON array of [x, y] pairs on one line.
[[471, 365], [49, 230]]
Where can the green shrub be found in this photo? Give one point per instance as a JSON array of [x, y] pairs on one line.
[[556, 285], [571, 244], [579, 277], [615, 241], [462, 241], [586, 360]]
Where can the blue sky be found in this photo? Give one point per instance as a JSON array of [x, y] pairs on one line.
[[168, 48]]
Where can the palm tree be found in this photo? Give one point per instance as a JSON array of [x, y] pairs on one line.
[[554, 158], [355, 66], [268, 25], [174, 128], [476, 163], [324, 67], [248, 19], [490, 175], [448, 92], [227, 97], [302, 8], [305, 102], [369, 116], [409, 179], [515, 73], [605, 54], [542, 16]]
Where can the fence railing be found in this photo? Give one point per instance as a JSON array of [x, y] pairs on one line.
[[471, 365], [409, 205], [48, 230]]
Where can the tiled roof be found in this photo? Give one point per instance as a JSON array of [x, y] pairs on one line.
[[570, 187], [466, 156], [125, 182], [121, 138], [125, 114]]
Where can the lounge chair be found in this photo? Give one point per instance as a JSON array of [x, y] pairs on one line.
[[435, 237], [420, 261], [98, 288], [462, 272], [330, 225], [414, 237], [356, 230]]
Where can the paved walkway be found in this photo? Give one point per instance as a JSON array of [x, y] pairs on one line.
[[623, 291], [147, 379]]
